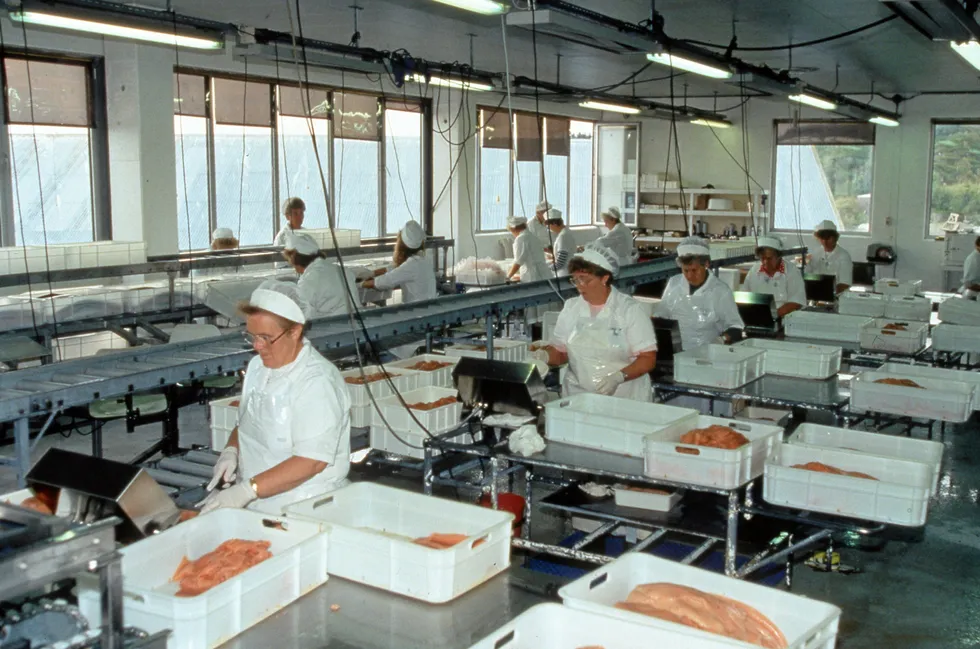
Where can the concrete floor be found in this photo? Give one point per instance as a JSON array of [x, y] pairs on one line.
[[910, 595]]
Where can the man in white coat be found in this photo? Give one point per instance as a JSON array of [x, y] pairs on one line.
[[772, 275], [530, 264], [564, 248], [538, 226], [971, 273], [619, 238], [830, 258], [293, 210]]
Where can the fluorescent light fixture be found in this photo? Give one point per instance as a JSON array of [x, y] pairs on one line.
[[485, 7], [161, 36], [688, 65], [615, 108], [448, 82], [883, 121], [810, 100], [970, 50], [713, 123]]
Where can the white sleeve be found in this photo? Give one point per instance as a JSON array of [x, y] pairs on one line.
[[795, 287], [727, 310], [318, 419], [394, 278], [845, 270], [520, 250], [639, 330], [280, 238], [563, 327], [749, 284], [663, 308], [971, 269]]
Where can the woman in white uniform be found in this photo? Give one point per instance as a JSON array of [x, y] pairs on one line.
[[410, 271], [292, 440], [293, 210], [772, 275], [530, 264], [606, 337], [619, 239], [971, 273], [564, 247], [321, 282], [830, 258], [538, 226], [703, 306], [221, 239]]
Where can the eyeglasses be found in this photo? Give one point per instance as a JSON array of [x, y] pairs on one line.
[[581, 281], [253, 339]]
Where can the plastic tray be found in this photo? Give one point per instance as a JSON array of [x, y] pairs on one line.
[[806, 623], [434, 421], [667, 459], [298, 565], [402, 380], [889, 446], [550, 626], [956, 338], [960, 311], [899, 496], [769, 416], [895, 287], [371, 531], [908, 307], [410, 444], [866, 304], [824, 326], [719, 366], [940, 399], [608, 423], [223, 413], [628, 497], [503, 350], [85, 345], [942, 374], [797, 359], [152, 297], [442, 377], [875, 336]]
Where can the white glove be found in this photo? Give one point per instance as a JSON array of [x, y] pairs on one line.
[[234, 497], [607, 385], [540, 354], [225, 469]]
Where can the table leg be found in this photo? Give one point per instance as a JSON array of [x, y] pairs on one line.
[[22, 449], [731, 535], [110, 578], [427, 471]]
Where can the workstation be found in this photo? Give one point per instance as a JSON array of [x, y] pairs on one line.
[[488, 324]]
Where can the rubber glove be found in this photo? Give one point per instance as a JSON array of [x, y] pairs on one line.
[[225, 469], [234, 497], [540, 354], [607, 385]]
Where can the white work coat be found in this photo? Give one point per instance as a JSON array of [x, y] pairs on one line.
[[702, 316], [564, 250], [971, 274], [283, 235], [784, 287], [322, 287], [416, 278], [540, 231], [837, 262], [530, 257], [301, 409], [601, 342], [620, 241]]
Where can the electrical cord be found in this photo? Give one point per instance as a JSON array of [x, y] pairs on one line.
[[183, 166], [793, 46]]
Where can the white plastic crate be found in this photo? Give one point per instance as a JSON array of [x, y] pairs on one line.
[[895, 287], [649, 304], [937, 399], [85, 345], [806, 623], [401, 380], [62, 305], [643, 498], [16, 313], [442, 377], [666, 458], [899, 496], [297, 566], [16, 497], [224, 418], [719, 366], [908, 307], [220, 437], [956, 338], [824, 326], [111, 253], [152, 297], [550, 626], [910, 340], [503, 350], [797, 359], [866, 304], [889, 446], [482, 277], [942, 374], [410, 444], [345, 238], [771, 416], [371, 532], [608, 423], [437, 420], [957, 310]]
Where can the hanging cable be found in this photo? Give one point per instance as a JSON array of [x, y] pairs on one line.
[[183, 165], [796, 46]]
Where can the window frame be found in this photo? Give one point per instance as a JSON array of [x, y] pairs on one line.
[[933, 123], [771, 220]]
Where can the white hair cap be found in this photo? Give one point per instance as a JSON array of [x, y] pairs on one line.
[[770, 242], [222, 233], [826, 225], [302, 243], [601, 257], [693, 247], [613, 212], [543, 206], [279, 298], [516, 221], [413, 235], [553, 215]]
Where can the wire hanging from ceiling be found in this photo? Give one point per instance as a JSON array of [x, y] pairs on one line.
[[791, 46]]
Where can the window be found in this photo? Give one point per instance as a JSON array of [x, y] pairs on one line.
[[955, 194], [403, 165], [823, 172], [191, 147], [299, 171], [356, 154], [530, 159], [49, 123]]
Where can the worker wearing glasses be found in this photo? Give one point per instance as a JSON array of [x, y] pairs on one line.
[[605, 336], [292, 440]]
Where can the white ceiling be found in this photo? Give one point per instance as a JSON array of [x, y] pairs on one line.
[[893, 56]]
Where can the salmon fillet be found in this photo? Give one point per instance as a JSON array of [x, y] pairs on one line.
[[706, 612], [368, 378], [896, 326], [36, 504], [907, 383], [428, 366], [432, 405], [228, 560], [715, 436], [438, 541], [820, 467]]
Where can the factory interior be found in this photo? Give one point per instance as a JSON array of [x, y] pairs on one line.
[[489, 324]]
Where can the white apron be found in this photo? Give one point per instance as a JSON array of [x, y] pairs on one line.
[[596, 349]]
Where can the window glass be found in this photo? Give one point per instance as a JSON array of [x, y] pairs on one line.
[[299, 172], [955, 194], [356, 185], [58, 92], [243, 182], [191, 147], [403, 168], [580, 174]]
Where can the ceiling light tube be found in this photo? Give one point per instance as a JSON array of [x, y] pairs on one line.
[[713, 123], [615, 108], [883, 121], [485, 7], [108, 28], [969, 50], [690, 65], [810, 100], [449, 82]]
